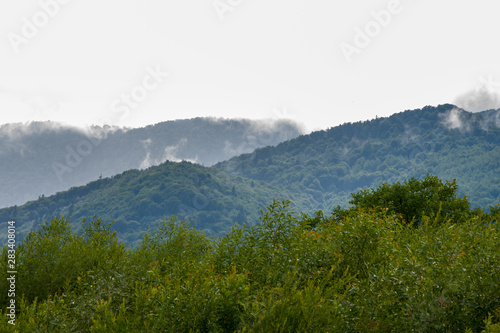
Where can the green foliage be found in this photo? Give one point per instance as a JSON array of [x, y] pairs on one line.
[[297, 306], [46, 259], [415, 198], [368, 271], [174, 248], [62, 272]]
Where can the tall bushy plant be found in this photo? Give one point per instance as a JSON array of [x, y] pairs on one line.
[[416, 198]]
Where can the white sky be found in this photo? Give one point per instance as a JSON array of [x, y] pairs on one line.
[[266, 59]]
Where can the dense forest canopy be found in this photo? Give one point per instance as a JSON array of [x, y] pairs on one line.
[[137, 200], [444, 141]]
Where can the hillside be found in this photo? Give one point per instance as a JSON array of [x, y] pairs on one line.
[[139, 199], [42, 158], [445, 141], [316, 172]]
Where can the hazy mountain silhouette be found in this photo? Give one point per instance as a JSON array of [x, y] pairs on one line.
[[41, 158]]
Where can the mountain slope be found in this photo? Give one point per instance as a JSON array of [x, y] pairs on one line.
[[44, 158], [316, 171], [138, 199], [445, 141]]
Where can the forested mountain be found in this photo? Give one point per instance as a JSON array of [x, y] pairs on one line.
[[316, 172], [445, 141], [42, 158], [138, 199]]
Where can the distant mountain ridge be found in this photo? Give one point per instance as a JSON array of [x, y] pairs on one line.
[[445, 141], [316, 172], [42, 158]]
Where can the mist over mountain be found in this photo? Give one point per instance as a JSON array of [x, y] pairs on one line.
[[445, 141], [42, 158], [316, 172]]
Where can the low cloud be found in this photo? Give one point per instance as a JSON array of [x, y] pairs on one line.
[[485, 97], [19, 138], [464, 121], [492, 119], [261, 133], [454, 120], [17, 130], [169, 154], [270, 132]]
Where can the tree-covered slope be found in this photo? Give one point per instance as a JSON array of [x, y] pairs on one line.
[[316, 171], [445, 141], [44, 157], [138, 199]]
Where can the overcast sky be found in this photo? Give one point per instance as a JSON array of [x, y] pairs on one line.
[[319, 62]]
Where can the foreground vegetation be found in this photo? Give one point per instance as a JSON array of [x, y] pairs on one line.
[[427, 266]]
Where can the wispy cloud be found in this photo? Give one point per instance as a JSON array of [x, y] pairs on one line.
[[170, 154], [453, 120], [465, 121], [486, 96]]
